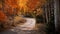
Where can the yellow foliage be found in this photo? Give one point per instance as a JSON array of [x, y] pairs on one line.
[[29, 5]]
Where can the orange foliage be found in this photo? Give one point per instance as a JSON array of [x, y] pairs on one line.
[[25, 4], [32, 4], [3, 17], [10, 5], [29, 5]]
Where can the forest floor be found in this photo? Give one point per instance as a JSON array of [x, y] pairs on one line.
[[39, 29]]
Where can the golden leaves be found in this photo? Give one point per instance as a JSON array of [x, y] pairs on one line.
[[29, 5]]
